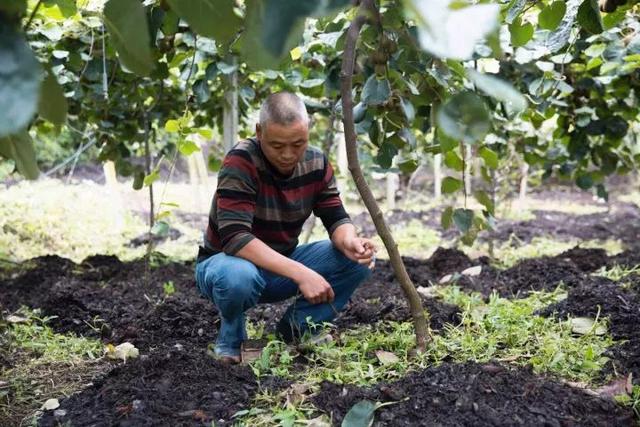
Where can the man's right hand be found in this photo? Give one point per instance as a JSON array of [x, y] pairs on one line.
[[314, 287]]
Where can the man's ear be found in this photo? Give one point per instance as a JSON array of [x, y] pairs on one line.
[[258, 131]]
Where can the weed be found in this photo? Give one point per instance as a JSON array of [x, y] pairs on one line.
[[509, 330], [168, 288], [632, 401], [45, 365], [617, 272]]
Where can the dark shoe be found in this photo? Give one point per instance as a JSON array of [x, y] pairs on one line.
[[225, 359]]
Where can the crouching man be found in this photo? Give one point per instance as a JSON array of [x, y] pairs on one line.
[[267, 187]]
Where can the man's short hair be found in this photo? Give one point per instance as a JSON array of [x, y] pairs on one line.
[[282, 108]]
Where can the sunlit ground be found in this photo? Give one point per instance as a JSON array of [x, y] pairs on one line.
[[83, 219]]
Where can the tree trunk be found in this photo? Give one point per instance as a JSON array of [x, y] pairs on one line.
[[109, 169], [524, 171], [437, 176], [468, 168], [392, 187], [346, 83], [230, 114]]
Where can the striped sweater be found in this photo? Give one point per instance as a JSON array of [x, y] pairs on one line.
[[253, 200]]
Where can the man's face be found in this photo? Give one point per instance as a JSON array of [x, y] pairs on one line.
[[284, 145]]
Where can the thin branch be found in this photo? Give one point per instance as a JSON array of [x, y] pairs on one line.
[[33, 15], [346, 85]]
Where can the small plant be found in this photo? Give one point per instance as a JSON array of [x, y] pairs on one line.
[[631, 400], [169, 288]]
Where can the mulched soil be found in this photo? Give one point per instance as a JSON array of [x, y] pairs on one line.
[[599, 296], [475, 395], [621, 222], [173, 386], [173, 380]]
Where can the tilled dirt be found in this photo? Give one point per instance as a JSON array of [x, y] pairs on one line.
[[622, 222], [171, 386], [597, 296], [175, 381], [475, 395]]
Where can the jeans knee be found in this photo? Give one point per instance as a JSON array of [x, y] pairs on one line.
[[239, 281]]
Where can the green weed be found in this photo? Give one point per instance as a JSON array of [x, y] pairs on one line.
[[44, 365]]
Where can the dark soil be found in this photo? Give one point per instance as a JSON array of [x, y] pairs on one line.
[[175, 386], [174, 380], [622, 223], [476, 395], [599, 296]]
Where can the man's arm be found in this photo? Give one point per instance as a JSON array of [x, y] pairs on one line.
[[312, 285]]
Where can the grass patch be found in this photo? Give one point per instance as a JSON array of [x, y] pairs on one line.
[[509, 253], [499, 329], [44, 365], [73, 221]]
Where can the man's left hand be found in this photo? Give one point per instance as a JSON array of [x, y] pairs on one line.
[[360, 250]]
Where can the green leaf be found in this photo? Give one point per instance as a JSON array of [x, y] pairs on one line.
[[450, 185], [209, 18], [483, 198], [274, 27], [160, 229], [408, 109], [452, 160], [376, 91], [408, 165], [589, 17], [138, 179], [172, 126], [602, 192], [463, 219], [446, 219], [53, 104], [499, 89], [520, 33], [151, 178], [126, 22], [359, 111], [214, 163], [385, 155], [19, 148], [584, 181], [67, 7], [490, 157], [187, 148], [551, 16], [20, 76], [453, 32], [465, 117], [202, 91], [360, 415], [446, 143]]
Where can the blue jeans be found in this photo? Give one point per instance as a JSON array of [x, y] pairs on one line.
[[235, 285]]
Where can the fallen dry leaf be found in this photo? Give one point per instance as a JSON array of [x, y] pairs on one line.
[[16, 319], [617, 387], [50, 405], [123, 351], [427, 291], [446, 279], [386, 357], [585, 325], [472, 271]]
